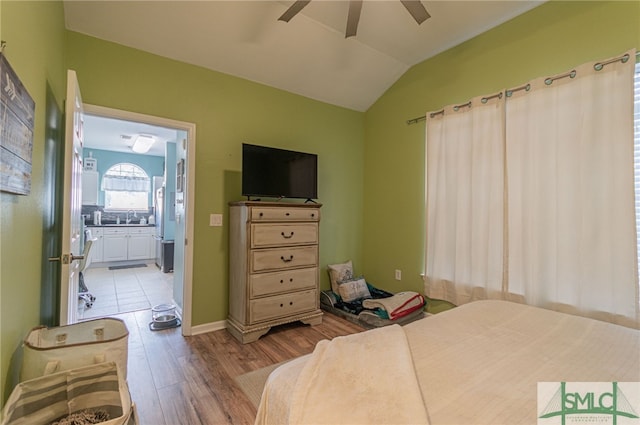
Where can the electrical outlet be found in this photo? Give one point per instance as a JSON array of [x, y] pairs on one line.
[[398, 274], [215, 220]]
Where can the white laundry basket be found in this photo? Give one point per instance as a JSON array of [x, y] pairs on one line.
[[49, 350], [97, 389]]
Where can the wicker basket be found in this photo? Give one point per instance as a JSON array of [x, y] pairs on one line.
[[50, 350], [88, 390]]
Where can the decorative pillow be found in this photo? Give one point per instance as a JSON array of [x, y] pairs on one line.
[[352, 290], [339, 273]]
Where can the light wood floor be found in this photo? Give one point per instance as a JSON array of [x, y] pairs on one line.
[[176, 380]]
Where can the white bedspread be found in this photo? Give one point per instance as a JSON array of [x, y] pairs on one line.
[[480, 363], [357, 379]]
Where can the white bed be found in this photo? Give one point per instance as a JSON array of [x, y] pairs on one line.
[[477, 364]]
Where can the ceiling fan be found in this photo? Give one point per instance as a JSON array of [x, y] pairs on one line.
[[414, 7]]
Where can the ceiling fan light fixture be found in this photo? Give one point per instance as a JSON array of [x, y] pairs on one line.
[[414, 7], [143, 143]]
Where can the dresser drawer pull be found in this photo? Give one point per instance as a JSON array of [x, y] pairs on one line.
[[287, 214], [287, 260], [290, 280], [287, 237]]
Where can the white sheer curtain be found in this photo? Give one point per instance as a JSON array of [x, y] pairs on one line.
[[126, 177], [571, 218], [465, 187], [531, 198], [126, 184]]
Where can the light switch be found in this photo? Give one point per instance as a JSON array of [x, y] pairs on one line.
[[215, 220]]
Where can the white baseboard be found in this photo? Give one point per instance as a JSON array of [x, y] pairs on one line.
[[208, 327]]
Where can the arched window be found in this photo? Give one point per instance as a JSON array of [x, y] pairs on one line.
[[126, 187]]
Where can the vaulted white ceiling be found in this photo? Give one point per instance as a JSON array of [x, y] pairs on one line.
[[308, 55]]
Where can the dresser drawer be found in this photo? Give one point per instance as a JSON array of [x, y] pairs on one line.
[[263, 235], [292, 280], [283, 258], [280, 306], [285, 214]]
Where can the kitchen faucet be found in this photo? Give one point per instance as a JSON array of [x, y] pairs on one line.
[[128, 218]]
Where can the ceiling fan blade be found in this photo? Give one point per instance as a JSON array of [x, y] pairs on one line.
[[355, 7], [293, 10], [416, 9]]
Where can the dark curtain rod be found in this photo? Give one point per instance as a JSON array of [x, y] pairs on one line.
[[548, 81]]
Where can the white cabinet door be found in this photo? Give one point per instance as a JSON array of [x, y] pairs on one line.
[[115, 244], [89, 188], [123, 243], [138, 244], [97, 248]]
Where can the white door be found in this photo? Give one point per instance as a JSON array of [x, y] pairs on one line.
[[71, 205]]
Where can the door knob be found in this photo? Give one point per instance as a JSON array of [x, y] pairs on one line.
[[77, 257], [67, 258]]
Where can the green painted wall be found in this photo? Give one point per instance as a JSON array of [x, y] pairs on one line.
[[228, 111], [549, 39], [34, 32]]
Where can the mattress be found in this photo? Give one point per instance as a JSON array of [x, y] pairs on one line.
[[480, 363]]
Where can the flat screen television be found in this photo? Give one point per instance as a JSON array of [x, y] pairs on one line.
[[278, 173]]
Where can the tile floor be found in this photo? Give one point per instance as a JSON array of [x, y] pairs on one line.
[[125, 290]]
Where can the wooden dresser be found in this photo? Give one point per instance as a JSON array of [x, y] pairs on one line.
[[273, 266]]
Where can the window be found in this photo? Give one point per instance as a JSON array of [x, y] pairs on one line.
[[126, 187], [568, 198]]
